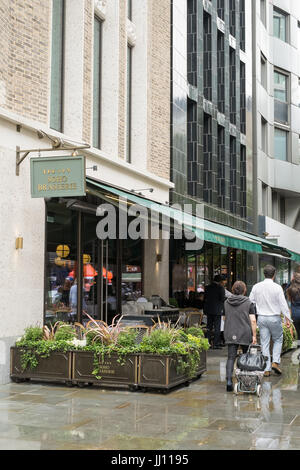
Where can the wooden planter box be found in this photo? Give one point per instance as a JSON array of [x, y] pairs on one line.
[[112, 373], [55, 368], [161, 372]]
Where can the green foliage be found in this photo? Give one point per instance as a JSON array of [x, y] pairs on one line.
[[193, 330], [127, 338], [65, 332], [33, 333], [32, 351]]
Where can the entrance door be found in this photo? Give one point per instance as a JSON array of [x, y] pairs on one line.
[[99, 274]]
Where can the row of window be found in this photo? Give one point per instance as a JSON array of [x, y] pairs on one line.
[[57, 75]]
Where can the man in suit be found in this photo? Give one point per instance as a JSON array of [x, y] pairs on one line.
[[214, 299]]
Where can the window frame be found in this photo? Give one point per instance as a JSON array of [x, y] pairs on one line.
[[287, 132], [264, 62], [288, 95], [287, 27]]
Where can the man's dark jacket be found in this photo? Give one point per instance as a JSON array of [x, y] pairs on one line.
[[214, 299]]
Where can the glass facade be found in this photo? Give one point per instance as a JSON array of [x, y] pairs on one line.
[[203, 56], [198, 270], [84, 273], [57, 59]]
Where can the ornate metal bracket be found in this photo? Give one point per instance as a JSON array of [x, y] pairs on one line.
[[57, 144]]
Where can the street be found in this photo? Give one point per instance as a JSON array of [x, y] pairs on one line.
[[200, 417]]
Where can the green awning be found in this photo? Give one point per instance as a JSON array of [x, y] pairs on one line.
[[295, 256], [204, 229]]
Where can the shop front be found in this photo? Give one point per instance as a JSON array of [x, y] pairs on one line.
[[88, 274], [192, 272]]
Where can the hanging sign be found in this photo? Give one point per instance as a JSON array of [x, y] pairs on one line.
[[57, 176]]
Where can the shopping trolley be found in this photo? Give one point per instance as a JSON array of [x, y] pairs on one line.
[[249, 381]]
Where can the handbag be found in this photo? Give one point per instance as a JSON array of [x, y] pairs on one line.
[[252, 361]]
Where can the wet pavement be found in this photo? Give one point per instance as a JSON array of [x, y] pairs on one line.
[[202, 416]]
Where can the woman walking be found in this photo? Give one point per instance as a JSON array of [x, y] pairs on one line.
[[240, 326], [293, 295]]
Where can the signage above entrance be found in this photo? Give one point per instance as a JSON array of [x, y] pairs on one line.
[[57, 176]]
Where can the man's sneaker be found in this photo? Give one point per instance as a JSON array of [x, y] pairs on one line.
[[276, 368], [267, 373]]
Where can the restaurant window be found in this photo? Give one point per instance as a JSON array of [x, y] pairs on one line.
[[280, 144], [97, 83], [281, 97], [200, 272], [61, 264], [280, 24], [132, 268], [57, 65]]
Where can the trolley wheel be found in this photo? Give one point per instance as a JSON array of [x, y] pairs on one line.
[[236, 388], [258, 391], [69, 383]]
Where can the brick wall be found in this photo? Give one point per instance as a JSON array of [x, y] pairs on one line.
[[159, 87], [25, 58]]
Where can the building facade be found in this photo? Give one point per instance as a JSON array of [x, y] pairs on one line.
[[80, 71], [211, 153], [276, 125]]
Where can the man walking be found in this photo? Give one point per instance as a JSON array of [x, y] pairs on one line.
[[214, 298], [270, 304]]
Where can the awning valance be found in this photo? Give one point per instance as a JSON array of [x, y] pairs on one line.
[[204, 229]]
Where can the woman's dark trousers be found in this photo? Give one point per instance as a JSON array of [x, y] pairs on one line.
[[232, 354]]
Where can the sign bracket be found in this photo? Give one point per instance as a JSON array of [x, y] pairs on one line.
[[58, 144]]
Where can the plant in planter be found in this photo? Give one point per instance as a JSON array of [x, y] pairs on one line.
[[39, 343], [176, 342]]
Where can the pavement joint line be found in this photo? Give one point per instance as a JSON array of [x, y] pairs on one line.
[[293, 420]]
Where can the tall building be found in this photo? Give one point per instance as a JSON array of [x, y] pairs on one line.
[[76, 72], [211, 154], [276, 126], [235, 136]]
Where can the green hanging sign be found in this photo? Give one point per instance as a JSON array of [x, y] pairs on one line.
[[57, 176]]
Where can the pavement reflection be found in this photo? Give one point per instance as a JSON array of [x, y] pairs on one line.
[[202, 416]]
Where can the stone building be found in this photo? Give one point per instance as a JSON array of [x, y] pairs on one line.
[[76, 72], [276, 126]]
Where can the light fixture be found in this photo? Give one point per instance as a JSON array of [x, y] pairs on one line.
[[76, 205], [139, 190], [158, 258], [19, 243], [94, 168]]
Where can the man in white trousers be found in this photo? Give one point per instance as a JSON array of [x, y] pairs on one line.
[[270, 304]]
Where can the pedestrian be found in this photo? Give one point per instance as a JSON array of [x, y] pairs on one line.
[[240, 326], [214, 298], [270, 304], [293, 295]]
